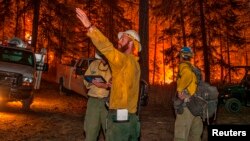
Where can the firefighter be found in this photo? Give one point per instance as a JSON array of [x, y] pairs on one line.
[[98, 92], [122, 121], [187, 126]]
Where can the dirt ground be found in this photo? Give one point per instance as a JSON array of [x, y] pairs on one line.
[[55, 117]]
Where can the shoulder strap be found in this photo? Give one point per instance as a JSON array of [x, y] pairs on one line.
[[189, 65]]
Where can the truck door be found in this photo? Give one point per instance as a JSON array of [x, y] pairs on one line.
[[77, 78]]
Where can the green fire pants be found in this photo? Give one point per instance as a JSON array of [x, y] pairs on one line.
[[188, 127], [122, 131], [95, 118]]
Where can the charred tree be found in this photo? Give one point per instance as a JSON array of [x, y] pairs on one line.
[[5, 13], [36, 4], [206, 49], [17, 18], [182, 23], [144, 37], [155, 49]]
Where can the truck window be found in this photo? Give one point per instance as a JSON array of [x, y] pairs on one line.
[[78, 65], [84, 63], [16, 56]]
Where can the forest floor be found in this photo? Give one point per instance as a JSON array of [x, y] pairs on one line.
[[55, 117]]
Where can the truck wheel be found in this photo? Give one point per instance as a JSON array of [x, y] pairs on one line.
[[27, 102], [233, 105], [61, 88]]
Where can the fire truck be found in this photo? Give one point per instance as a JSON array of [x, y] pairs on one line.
[[70, 76], [20, 72]]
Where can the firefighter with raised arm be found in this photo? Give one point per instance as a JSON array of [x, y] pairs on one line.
[[122, 121]]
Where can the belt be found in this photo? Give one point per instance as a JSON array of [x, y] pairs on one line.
[[112, 110], [115, 111], [113, 115], [99, 98]]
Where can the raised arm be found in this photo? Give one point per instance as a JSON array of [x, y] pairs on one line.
[[83, 18], [115, 57]]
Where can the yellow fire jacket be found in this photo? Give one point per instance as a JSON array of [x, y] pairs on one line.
[[125, 73], [97, 68], [186, 79]]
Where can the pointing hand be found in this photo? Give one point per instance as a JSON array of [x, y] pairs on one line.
[[83, 17]]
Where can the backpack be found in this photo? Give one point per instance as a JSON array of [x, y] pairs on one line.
[[143, 96], [206, 97]]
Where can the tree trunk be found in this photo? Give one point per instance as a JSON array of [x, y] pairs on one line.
[[61, 36], [5, 8], [182, 24], [246, 50], [228, 61], [17, 18], [246, 59], [144, 38], [221, 59], [155, 49], [89, 41], [206, 50], [36, 4], [24, 22], [172, 48], [110, 21], [163, 58], [172, 56], [194, 49]]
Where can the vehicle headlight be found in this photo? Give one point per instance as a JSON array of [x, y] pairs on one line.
[[27, 81]]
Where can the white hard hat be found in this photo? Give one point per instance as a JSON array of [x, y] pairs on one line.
[[97, 56], [18, 42], [132, 33]]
